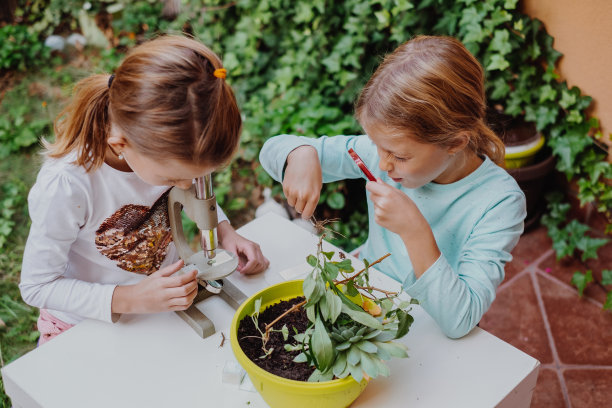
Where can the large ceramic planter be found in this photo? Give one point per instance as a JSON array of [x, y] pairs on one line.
[[280, 392]]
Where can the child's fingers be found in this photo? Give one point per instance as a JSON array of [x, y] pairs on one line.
[[182, 291], [170, 269], [180, 280], [310, 207]]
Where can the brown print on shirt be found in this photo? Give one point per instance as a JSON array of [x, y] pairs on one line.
[[136, 236]]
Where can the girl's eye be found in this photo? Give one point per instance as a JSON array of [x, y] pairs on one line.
[[396, 158]]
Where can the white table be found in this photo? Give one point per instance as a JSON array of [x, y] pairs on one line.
[[158, 360]]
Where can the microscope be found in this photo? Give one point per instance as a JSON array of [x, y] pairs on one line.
[[211, 262]]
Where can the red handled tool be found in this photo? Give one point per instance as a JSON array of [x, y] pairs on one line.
[[361, 165]]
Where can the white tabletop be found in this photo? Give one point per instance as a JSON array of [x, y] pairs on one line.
[[158, 360]]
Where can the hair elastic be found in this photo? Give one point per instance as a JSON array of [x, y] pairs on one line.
[[220, 73], [110, 80]]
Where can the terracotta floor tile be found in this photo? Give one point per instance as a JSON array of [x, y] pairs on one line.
[[564, 270], [530, 247], [515, 318], [589, 388], [582, 331], [547, 393]]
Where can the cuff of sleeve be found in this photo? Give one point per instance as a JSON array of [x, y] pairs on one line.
[[107, 297], [221, 216], [418, 290]]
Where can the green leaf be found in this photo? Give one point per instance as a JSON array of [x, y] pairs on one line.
[[500, 42], [547, 93], [405, 321], [362, 317], [510, 4], [386, 335], [608, 303], [300, 358], [345, 265], [567, 99], [606, 277], [350, 289], [257, 306], [368, 365], [339, 365], [581, 280], [367, 346], [335, 306], [328, 255], [312, 260], [354, 356], [497, 62], [331, 270], [336, 200], [393, 349], [322, 347]]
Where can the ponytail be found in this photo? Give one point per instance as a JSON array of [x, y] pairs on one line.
[[83, 126], [486, 142]]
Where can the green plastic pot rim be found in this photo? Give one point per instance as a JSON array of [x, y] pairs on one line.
[[526, 150]]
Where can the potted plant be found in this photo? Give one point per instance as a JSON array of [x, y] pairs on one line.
[[332, 330]]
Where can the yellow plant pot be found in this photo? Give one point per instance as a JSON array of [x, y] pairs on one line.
[[278, 391], [523, 155]]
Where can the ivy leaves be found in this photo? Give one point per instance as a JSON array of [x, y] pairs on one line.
[[570, 238]]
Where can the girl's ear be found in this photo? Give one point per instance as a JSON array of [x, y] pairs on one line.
[[116, 140]]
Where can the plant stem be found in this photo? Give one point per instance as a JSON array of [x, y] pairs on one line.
[[292, 309], [361, 271], [386, 292]]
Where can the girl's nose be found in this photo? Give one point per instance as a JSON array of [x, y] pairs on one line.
[[385, 165]]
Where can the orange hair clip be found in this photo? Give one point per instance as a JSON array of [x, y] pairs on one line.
[[220, 73]]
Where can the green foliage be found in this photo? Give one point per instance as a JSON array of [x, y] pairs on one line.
[[12, 199], [137, 17], [20, 49], [581, 280], [18, 132], [351, 328], [569, 238]]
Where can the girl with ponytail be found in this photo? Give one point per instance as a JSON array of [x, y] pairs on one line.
[[440, 202], [100, 241]]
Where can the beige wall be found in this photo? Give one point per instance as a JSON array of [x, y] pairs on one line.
[[582, 30]]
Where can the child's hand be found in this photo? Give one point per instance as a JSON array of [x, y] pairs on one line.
[[303, 180], [394, 210], [158, 292], [250, 258]]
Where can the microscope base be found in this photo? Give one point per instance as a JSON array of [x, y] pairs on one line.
[[198, 321]]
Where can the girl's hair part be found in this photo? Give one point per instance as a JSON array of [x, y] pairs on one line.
[[164, 100], [431, 88]]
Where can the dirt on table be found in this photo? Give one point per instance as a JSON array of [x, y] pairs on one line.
[[279, 362]]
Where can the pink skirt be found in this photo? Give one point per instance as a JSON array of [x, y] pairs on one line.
[[50, 326]]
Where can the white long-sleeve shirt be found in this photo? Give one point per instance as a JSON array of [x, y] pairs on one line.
[[91, 232]]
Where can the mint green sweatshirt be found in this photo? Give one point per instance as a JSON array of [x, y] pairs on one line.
[[476, 222]]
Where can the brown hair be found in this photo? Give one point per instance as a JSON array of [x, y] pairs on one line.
[[432, 88], [165, 100]]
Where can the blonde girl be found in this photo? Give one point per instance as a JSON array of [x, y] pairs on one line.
[[441, 203], [100, 241]]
